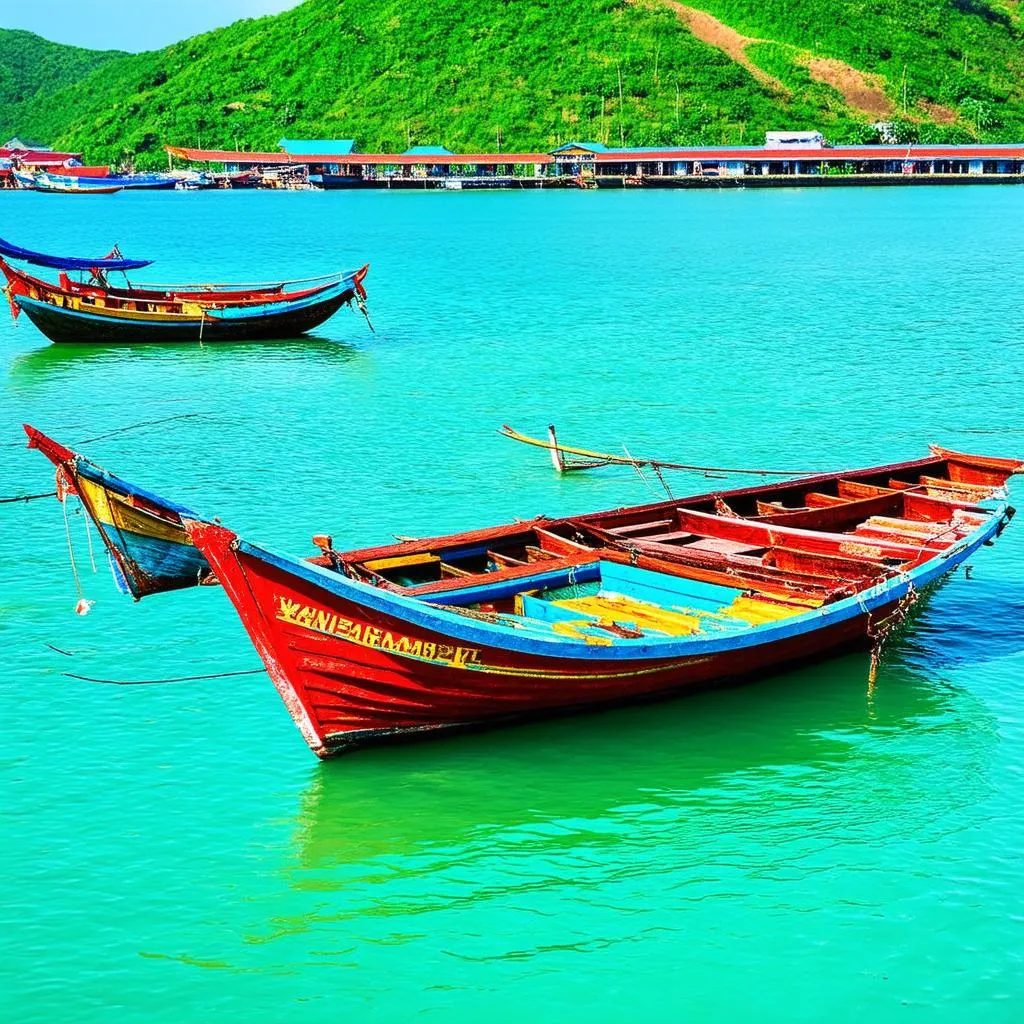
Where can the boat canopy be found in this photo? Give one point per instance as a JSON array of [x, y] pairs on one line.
[[113, 262]]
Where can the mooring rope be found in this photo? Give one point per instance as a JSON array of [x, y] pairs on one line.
[[122, 430], [28, 497], [156, 682], [138, 426]]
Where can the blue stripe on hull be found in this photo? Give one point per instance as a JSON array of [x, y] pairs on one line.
[[485, 634]]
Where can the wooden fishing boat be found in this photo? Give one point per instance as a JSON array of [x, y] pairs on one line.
[[150, 552], [93, 310], [142, 182], [555, 615], [44, 182]]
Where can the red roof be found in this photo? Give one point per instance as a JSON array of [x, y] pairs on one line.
[[233, 157], [829, 153], [39, 157], [228, 156], [705, 155], [436, 159]]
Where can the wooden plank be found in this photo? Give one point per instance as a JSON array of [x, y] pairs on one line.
[[400, 561], [855, 490], [933, 509], [815, 499], [634, 528], [505, 561], [833, 567], [536, 554], [758, 533], [674, 537]]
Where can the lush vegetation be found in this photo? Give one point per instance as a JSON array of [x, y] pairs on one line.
[[32, 68], [953, 68], [528, 74]]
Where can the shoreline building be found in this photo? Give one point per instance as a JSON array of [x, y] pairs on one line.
[[784, 156], [16, 155]]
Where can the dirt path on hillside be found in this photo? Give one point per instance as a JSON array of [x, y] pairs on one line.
[[862, 92], [734, 45]]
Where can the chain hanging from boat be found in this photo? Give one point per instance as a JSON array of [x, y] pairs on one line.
[[880, 632]]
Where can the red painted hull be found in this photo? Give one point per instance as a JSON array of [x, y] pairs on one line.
[[345, 693]]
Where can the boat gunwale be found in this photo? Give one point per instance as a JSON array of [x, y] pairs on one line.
[[450, 624]]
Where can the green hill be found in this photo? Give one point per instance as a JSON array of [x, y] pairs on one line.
[[533, 74], [32, 68]]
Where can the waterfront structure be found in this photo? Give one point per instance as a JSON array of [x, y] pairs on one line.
[[16, 155], [785, 155]]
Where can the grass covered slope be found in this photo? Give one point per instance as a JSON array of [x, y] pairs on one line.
[[391, 74], [32, 67], [532, 73], [944, 64]]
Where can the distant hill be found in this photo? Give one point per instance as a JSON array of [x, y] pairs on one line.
[[32, 67], [528, 74]]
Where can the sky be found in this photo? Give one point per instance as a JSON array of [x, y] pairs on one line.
[[129, 24]]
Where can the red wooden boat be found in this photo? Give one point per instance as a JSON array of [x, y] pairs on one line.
[[554, 615], [94, 310]]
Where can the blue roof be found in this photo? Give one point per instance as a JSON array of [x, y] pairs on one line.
[[428, 151], [318, 147]]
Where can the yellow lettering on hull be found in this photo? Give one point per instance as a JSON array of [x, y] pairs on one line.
[[319, 620]]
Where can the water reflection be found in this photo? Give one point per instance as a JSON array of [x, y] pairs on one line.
[[42, 364], [975, 622], [609, 776]]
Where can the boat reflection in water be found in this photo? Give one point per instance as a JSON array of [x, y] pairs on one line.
[[41, 365], [687, 777]]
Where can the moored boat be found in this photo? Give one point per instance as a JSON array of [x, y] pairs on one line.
[[93, 310], [149, 550], [554, 615], [44, 182]]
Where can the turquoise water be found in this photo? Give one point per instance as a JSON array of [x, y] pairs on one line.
[[802, 847]]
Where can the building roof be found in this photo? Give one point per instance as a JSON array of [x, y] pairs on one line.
[[396, 159], [303, 147], [486, 159], [828, 153], [40, 157], [438, 156], [227, 156]]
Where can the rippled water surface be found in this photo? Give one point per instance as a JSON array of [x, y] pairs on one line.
[[795, 849]]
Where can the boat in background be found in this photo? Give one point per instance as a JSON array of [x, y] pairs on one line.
[[548, 616], [144, 182], [93, 310], [44, 182]]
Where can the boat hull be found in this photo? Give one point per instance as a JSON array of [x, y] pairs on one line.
[[356, 668], [66, 326], [143, 534]]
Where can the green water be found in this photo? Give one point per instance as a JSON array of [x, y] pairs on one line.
[[801, 848]]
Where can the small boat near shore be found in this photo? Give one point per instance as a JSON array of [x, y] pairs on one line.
[[93, 310], [44, 182], [548, 616]]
